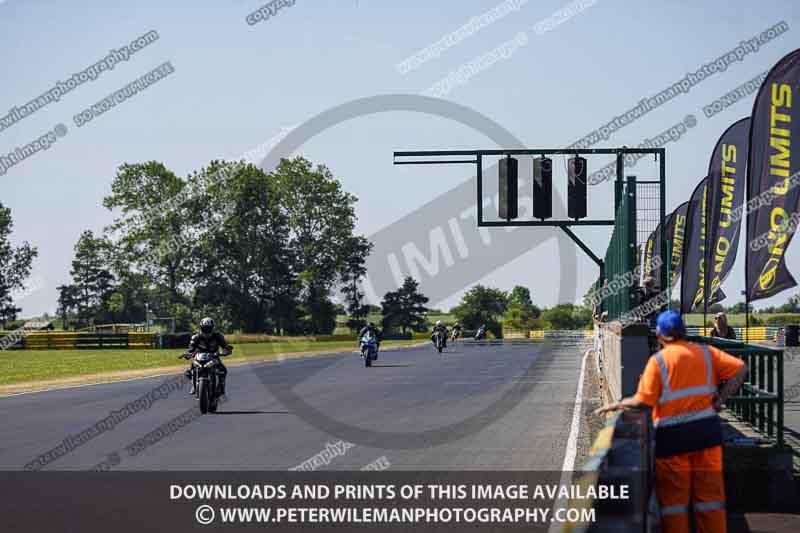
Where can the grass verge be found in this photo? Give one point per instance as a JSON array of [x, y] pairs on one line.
[[22, 370]]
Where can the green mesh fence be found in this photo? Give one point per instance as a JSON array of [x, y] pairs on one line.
[[621, 254]]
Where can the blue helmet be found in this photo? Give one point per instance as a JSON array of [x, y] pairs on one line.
[[669, 325]]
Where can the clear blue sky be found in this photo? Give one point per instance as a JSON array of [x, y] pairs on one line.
[[236, 85]]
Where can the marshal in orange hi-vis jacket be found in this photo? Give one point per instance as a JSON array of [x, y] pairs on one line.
[[680, 384]]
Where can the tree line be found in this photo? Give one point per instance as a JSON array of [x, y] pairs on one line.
[[258, 251], [405, 310]]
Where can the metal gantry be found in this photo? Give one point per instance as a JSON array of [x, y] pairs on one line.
[[476, 158]]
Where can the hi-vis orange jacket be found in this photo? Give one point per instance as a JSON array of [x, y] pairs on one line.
[[679, 383]]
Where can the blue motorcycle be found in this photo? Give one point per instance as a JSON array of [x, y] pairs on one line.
[[369, 348]]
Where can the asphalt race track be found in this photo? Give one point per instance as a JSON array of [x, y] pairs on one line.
[[476, 407]]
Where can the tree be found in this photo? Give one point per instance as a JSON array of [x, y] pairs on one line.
[[263, 250], [321, 217], [356, 252], [738, 307], [521, 313], [791, 306], [482, 305], [243, 262], [404, 308], [568, 316], [67, 303], [520, 295], [15, 267], [92, 282], [8, 311], [156, 213]]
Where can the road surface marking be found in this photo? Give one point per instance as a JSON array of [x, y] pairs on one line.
[[572, 441]]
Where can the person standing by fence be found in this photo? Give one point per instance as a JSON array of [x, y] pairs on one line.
[[721, 327], [680, 384]]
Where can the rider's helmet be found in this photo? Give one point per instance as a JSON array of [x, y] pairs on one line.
[[207, 325], [371, 325], [438, 323]]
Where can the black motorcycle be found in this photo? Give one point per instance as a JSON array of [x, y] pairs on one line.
[[439, 340], [205, 367]]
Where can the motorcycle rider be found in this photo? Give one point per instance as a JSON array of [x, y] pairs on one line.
[[209, 341], [481, 332], [437, 328], [370, 328], [456, 331]]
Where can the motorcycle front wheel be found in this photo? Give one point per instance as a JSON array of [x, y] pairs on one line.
[[203, 393]]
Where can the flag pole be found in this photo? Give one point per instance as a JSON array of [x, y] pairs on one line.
[[705, 251], [747, 255]]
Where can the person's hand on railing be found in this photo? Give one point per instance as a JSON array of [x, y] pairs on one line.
[[716, 401], [626, 403]]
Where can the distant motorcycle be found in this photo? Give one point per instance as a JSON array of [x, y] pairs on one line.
[[454, 335], [369, 348], [207, 388], [480, 334], [439, 340]]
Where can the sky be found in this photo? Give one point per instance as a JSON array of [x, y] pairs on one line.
[[235, 86]]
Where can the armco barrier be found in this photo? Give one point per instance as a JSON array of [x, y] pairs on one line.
[[751, 334], [622, 454], [87, 341], [578, 334], [75, 340], [516, 334]]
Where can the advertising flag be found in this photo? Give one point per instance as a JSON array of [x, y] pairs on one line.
[[676, 233], [694, 254], [772, 179], [726, 190]]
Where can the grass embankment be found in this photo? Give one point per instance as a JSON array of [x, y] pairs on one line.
[[41, 366]]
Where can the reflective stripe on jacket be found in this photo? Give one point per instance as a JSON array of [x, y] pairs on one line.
[[684, 418]]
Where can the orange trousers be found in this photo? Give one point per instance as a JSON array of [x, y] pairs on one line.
[[692, 481]]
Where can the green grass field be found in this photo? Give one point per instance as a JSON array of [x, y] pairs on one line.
[[696, 319], [20, 366]]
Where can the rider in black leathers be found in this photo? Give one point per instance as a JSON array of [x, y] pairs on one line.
[[209, 341], [439, 327], [370, 327]]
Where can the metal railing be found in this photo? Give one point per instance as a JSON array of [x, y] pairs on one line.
[[759, 403]]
